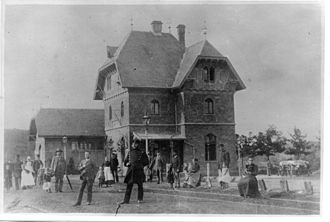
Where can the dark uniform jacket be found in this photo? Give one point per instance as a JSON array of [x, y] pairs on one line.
[[225, 158], [135, 161], [176, 163], [87, 169], [37, 164], [58, 165], [17, 172], [113, 163]]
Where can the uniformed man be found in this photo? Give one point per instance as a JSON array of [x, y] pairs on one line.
[[58, 166], [135, 161], [88, 172]]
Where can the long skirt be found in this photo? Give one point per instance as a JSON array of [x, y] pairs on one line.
[[224, 176], [108, 177], [193, 179], [27, 179], [248, 186]]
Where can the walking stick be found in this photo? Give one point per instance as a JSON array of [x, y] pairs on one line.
[[117, 209], [68, 181]]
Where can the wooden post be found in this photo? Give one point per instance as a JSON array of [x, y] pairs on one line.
[[308, 187], [208, 175], [284, 186], [262, 185]]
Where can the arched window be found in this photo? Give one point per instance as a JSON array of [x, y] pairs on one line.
[[110, 113], [210, 147], [212, 71], [122, 109], [155, 107], [209, 106], [205, 74]]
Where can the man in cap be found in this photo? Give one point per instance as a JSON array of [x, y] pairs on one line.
[[58, 166], [135, 161]]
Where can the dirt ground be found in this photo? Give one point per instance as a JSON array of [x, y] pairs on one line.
[[159, 199]]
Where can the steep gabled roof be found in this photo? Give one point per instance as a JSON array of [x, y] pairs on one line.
[[202, 48], [69, 122], [148, 60]]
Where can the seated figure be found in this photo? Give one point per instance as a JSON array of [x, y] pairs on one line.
[[224, 177], [192, 174], [248, 185]]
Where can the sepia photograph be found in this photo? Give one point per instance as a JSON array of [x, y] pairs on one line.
[[165, 109]]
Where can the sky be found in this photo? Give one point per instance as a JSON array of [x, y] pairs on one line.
[[52, 54]]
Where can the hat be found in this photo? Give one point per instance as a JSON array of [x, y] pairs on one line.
[[58, 150]]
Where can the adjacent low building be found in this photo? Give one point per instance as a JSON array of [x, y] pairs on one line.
[[187, 91], [83, 129]]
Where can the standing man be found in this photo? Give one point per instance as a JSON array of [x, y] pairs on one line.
[[225, 157], [58, 166], [17, 173], [88, 171], [158, 167], [37, 164], [176, 164], [114, 166], [135, 161]]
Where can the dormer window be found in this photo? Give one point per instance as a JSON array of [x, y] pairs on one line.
[[211, 76], [155, 107], [109, 82], [208, 74], [205, 74]]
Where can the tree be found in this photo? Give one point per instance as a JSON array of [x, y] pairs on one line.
[[246, 145], [299, 144], [270, 142]]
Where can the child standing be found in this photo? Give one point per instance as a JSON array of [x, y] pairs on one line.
[[100, 176], [47, 178]]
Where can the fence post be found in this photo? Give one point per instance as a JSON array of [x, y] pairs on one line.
[[208, 180]]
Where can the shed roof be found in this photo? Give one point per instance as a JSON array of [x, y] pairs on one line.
[[68, 122]]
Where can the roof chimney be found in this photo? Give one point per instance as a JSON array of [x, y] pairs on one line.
[[156, 27], [181, 33]]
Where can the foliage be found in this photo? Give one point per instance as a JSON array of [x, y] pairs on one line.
[[267, 143], [300, 146], [270, 142]]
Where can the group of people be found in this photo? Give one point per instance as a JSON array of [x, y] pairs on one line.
[[139, 165], [34, 173], [24, 174]]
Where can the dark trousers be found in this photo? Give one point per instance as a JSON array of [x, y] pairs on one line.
[[58, 183], [115, 175], [89, 184], [129, 191], [159, 175], [17, 182]]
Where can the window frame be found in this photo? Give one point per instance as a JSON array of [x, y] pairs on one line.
[[210, 147], [155, 103], [209, 106], [122, 109], [110, 113]]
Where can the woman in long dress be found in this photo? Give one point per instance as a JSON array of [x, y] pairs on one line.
[[248, 185], [108, 177], [192, 174], [27, 174], [224, 177]]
